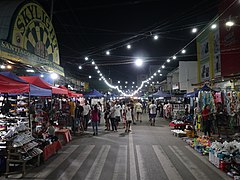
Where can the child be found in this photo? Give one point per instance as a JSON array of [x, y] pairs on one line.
[[128, 111]]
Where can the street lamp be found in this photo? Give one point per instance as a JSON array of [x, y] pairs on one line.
[[54, 76], [138, 62]]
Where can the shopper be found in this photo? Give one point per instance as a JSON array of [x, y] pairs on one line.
[[128, 111], [99, 105], [206, 120], [107, 117], [79, 117], [86, 114], [118, 110], [132, 108], [95, 119], [51, 129], [124, 114], [152, 113], [112, 117], [138, 109]]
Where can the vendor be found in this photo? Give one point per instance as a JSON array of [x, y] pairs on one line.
[[206, 120], [51, 129]]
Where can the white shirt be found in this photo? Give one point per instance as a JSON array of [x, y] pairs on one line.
[[112, 112], [86, 109], [153, 109], [128, 114], [118, 110]]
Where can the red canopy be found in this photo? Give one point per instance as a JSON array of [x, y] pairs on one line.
[[37, 81], [8, 85], [70, 93]]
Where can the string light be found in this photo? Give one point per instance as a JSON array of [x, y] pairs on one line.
[[86, 58], [119, 82], [155, 74], [93, 62], [194, 30], [108, 53], [96, 67], [214, 26], [163, 66], [159, 71], [155, 37], [174, 57], [183, 51], [98, 71], [89, 77], [79, 67], [129, 46], [168, 60]]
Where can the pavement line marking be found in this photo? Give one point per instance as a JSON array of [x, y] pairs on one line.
[[167, 165], [205, 161], [142, 170], [96, 169], [54, 164], [133, 170], [196, 172], [76, 163], [120, 170]]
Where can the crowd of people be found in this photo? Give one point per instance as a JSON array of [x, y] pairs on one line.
[[113, 113]]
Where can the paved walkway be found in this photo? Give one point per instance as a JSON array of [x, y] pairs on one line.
[[148, 153]]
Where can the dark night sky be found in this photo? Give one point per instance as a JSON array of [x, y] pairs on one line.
[[92, 27]]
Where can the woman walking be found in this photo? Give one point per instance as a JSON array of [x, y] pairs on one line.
[[128, 111], [95, 120]]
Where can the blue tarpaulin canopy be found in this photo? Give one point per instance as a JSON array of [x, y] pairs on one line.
[[34, 90], [160, 94], [94, 93], [195, 93]]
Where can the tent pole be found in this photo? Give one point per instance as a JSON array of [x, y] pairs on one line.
[[29, 116]]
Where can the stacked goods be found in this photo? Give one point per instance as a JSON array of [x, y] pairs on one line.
[[202, 144], [226, 156]]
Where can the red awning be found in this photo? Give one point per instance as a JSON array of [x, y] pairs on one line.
[[56, 90], [37, 81], [71, 93], [8, 85]]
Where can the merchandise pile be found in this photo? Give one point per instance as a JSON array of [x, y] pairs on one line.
[[226, 156]]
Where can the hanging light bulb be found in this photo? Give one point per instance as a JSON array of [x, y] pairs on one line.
[[93, 62], [183, 51], [98, 71], [155, 37], [96, 67], [152, 77], [86, 58], [79, 67], [168, 60], [213, 26], [108, 53], [174, 57], [100, 79], [159, 71], [163, 66], [129, 46], [89, 77], [160, 74], [194, 30], [155, 74]]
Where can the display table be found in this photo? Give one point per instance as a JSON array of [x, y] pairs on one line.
[[51, 149], [63, 135]]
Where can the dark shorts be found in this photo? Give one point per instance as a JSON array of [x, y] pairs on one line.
[[129, 121], [152, 115], [117, 118]]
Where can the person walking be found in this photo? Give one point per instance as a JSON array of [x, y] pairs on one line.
[[128, 111], [206, 120], [152, 113], [79, 117], [138, 109], [112, 117], [107, 116], [118, 110], [86, 114], [95, 119], [124, 114]]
